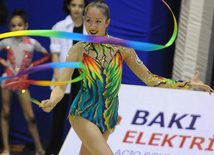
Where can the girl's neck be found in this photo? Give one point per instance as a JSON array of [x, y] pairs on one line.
[[19, 37], [77, 21]]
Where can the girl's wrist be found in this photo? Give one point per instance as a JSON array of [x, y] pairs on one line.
[[1, 59], [189, 84]]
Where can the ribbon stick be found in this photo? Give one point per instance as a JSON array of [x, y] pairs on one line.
[[29, 98], [97, 39]]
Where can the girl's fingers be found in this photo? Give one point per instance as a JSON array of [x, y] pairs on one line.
[[209, 89], [47, 109], [44, 102], [197, 72], [48, 106]]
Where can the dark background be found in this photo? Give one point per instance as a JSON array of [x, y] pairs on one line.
[[137, 20]]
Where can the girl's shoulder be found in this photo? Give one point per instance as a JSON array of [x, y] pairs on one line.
[[78, 46], [80, 43], [7, 41], [115, 45]]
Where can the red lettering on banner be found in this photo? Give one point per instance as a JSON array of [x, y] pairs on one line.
[[197, 143], [183, 140], [153, 138], [125, 140], [166, 140], [210, 145], [135, 137], [139, 138]]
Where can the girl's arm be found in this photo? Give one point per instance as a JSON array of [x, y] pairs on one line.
[[3, 62], [45, 58], [40, 49], [137, 66], [2, 46], [75, 54]]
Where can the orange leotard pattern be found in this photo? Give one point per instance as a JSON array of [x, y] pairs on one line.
[[97, 100]]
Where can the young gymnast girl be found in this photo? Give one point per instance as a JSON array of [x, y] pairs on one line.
[[19, 56], [94, 112], [59, 49]]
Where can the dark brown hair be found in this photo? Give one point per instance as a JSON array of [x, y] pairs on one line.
[[19, 12], [67, 2], [99, 4]]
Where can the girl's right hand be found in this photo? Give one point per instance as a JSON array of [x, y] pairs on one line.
[[3, 62], [48, 105]]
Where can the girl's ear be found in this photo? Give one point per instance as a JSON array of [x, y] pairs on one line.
[[108, 22], [26, 26], [68, 6]]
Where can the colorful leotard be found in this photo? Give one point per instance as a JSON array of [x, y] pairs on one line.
[[19, 57], [97, 100]]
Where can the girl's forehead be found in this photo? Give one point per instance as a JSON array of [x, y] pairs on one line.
[[77, 1], [16, 18], [92, 8], [95, 11]]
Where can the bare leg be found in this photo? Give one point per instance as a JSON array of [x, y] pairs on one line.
[[31, 122], [5, 117], [93, 140], [84, 150]]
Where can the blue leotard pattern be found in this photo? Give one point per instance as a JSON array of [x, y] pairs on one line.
[[97, 99]]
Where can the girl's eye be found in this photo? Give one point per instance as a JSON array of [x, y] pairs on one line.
[[81, 6], [73, 5], [88, 20], [12, 26], [20, 25], [98, 21]]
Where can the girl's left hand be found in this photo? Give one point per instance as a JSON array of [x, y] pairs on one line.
[[195, 82], [4, 62]]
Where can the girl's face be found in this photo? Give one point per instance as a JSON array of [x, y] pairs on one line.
[[17, 23], [96, 22], [76, 8]]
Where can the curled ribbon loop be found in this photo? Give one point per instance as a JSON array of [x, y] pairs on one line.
[[79, 37], [78, 65], [97, 39]]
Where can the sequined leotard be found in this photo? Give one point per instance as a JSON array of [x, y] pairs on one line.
[[97, 99], [19, 56]]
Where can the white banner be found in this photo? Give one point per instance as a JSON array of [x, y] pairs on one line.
[[158, 121]]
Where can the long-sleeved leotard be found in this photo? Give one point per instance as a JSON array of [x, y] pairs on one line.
[[97, 100], [137, 66], [19, 57]]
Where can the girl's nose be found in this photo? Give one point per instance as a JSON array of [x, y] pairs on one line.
[[93, 25], [15, 28]]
